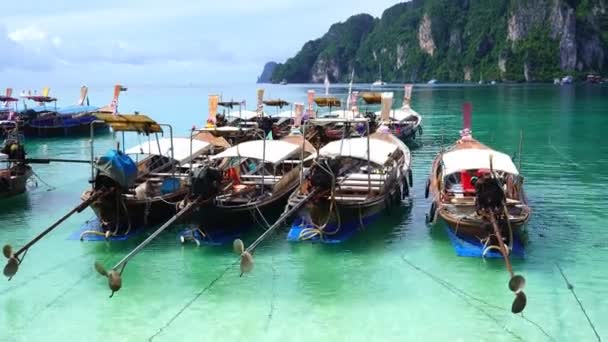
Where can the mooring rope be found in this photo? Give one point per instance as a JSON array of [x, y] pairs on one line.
[[43, 273], [561, 154], [273, 295], [580, 304], [463, 295], [59, 296], [191, 301], [50, 187]]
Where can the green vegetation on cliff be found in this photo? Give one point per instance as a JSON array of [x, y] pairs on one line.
[[460, 40]]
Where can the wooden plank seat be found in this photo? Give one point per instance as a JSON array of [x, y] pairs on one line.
[[359, 188]]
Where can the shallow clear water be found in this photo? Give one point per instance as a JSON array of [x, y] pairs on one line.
[[364, 289]]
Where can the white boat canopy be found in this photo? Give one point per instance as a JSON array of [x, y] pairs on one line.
[[181, 148], [3, 156], [286, 114], [276, 151], [475, 159], [344, 114], [243, 114], [400, 114], [357, 148]]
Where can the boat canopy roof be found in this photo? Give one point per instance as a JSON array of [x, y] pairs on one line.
[[286, 114], [40, 98], [328, 102], [130, 123], [243, 114], [342, 113], [380, 150], [276, 103], [76, 109], [7, 99], [475, 159], [181, 148], [3, 156], [229, 104], [372, 97], [401, 113], [276, 151]]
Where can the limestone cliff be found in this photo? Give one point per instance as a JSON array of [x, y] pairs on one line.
[[458, 40]]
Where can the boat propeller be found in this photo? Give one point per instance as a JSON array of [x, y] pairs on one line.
[[517, 284], [114, 277], [12, 265], [246, 257]]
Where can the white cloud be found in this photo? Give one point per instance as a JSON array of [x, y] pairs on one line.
[[182, 36], [29, 33]]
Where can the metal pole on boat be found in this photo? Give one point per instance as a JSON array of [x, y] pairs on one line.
[[369, 176], [521, 142], [92, 125], [263, 162], [13, 263], [516, 282], [247, 254], [171, 147], [191, 140], [115, 273]]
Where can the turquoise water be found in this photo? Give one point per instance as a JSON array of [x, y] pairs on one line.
[[358, 291]]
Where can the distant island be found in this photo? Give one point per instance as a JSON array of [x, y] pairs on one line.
[[266, 76], [457, 41]]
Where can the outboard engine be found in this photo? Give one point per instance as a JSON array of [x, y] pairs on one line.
[[266, 125], [206, 182], [373, 123], [320, 178], [489, 194], [14, 150]]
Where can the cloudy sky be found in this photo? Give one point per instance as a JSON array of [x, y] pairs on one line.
[[144, 42]]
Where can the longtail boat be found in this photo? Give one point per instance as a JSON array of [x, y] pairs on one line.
[[147, 180], [356, 179], [47, 120], [404, 122], [467, 176], [235, 125], [256, 179], [14, 171]]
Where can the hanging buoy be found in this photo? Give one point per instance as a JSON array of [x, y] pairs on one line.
[[426, 188]]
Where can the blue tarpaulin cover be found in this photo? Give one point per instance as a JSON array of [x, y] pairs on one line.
[[119, 167], [470, 248]]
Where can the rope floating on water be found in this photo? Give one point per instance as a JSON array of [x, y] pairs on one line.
[[464, 295], [50, 187], [271, 312], [191, 301], [580, 304]]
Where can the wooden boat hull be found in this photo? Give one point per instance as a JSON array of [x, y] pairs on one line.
[[133, 214], [407, 132], [475, 227], [219, 224], [343, 223], [16, 184]]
